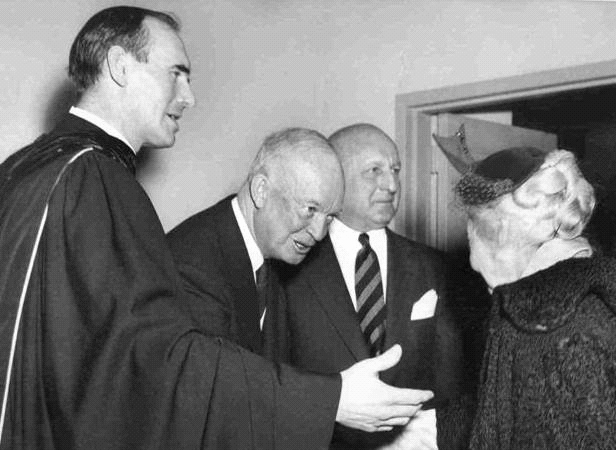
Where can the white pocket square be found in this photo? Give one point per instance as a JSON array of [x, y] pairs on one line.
[[425, 306]]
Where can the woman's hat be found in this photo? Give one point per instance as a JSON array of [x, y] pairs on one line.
[[498, 174]]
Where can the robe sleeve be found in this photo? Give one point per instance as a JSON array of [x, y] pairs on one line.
[[124, 365], [208, 300]]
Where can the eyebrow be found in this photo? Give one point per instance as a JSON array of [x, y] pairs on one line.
[[182, 68], [307, 203]]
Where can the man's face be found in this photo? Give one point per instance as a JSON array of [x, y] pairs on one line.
[[160, 88], [372, 186], [297, 211]]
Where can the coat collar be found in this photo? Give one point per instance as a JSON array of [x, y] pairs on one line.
[[239, 274], [72, 126], [404, 276], [548, 299], [331, 292], [405, 285]]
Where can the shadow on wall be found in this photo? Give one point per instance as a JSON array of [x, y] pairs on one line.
[[62, 98]]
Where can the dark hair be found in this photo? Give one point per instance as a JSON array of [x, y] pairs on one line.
[[118, 25]]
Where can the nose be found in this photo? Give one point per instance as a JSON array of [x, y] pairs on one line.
[[318, 226], [390, 181], [186, 96]]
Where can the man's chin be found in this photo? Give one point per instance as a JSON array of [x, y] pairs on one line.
[[384, 218], [294, 258], [386, 211], [163, 142]]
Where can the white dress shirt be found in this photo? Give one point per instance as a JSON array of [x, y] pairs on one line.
[[346, 245], [420, 433]]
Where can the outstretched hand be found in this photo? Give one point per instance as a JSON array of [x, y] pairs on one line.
[[368, 404]]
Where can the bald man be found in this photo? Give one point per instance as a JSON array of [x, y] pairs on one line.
[[293, 190], [365, 288]]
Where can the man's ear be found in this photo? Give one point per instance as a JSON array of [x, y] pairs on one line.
[[259, 190], [117, 64]]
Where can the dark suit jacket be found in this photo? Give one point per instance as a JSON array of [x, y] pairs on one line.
[[220, 290], [325, 335], [217, 275]]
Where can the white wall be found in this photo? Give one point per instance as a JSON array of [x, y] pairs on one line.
[[259, 65]]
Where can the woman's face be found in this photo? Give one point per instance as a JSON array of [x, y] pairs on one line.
[[499, 245], [481, 243]]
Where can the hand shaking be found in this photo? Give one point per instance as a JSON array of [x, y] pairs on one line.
[[368, 404]]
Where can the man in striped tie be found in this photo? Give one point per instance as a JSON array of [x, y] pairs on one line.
[[365, 288]]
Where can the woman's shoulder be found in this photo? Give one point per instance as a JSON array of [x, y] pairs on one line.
[[551, 298]]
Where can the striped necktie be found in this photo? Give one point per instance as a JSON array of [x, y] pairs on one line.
[[370, 301]]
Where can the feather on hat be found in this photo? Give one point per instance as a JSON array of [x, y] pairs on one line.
[[498, 174]]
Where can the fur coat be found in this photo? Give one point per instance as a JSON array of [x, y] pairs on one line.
[[549, 370]]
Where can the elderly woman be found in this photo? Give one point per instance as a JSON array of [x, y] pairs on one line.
[[549, 369]]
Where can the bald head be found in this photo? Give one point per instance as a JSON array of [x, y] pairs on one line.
[[293, 150], [349, 140], [371, 167], [294, 188]]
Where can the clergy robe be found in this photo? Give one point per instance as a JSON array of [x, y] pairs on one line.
[[99, 351]]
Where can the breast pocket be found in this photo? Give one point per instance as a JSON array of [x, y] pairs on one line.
[[416, 368]]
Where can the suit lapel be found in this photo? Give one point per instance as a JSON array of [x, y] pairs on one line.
[[240, 277], [406, 284], [325, 278], [404, 287]]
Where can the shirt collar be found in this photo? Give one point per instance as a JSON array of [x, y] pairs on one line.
[[254, 252], [345, 241], [340, 232], [102, 124]]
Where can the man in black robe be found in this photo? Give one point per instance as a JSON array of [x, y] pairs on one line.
[[95, 349]]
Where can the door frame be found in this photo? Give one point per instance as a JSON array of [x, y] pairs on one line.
[[412, 108]]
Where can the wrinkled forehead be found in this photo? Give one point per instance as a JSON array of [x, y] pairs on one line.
[[312, 180], [374, 149]]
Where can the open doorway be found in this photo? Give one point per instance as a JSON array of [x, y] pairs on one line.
[[577, 104], [584, 121]]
